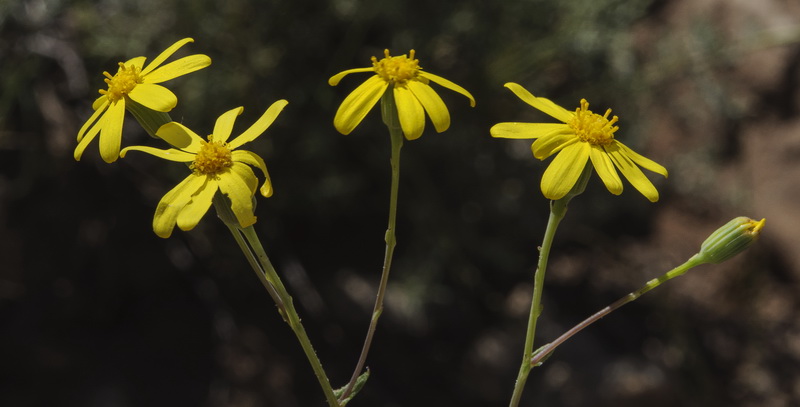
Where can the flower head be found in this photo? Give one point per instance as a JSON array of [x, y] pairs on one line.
[[413, 95], [730, 239], [582, 135], [134, 83], [216, 165]]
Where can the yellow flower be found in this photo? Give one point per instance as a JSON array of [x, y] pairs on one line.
[[582, 135], [216, 165], [136, 83], [412, 94]]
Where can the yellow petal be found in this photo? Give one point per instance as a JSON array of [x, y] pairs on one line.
[[642, 161], [526, 130], [358, 103], [260, 125], [180, 136], [99, 102], [449, 85], [247, 175], [224, 124], [255, 160], [432, 104], [98, 111], [111, 132], [552, 143], [154, 97], [171, 154], [164, 55], [137, 62], [605, 169], [178, 68], [410, 113], [88, 137], [190, 215], [173, 201], [562, 174], [631, 172], [334, 80], [239, 194], [545, 105]]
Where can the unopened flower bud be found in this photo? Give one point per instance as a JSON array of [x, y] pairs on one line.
[[731, 239]]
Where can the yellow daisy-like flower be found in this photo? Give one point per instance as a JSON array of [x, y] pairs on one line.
[[582, 135], [134, 82], [412, 94], [216, 165]]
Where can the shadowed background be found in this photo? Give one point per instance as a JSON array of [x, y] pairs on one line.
[[95, 310]]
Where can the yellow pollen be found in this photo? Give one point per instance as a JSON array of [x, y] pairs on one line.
[[396, 69], [593, 128], [212, 158], [122, 82]]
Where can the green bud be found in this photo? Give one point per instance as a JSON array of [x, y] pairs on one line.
[[729, 240]]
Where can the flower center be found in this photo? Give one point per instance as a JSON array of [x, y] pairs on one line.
[[122, 83], [212, 158], [396, 69], [593, 128]]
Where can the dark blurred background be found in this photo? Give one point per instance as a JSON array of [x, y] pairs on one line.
[[95, 310]]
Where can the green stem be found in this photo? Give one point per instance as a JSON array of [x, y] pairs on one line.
[[392, 121], [548, 349], [557, 211]]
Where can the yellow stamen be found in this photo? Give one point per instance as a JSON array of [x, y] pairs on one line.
[[396, 69], [593, 128], [212, 158], [122, 82]]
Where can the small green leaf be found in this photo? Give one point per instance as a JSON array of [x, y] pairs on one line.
[[356, 388]]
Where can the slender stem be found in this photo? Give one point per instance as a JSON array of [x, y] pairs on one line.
[[557, 211], [548, 349], [390, 117]]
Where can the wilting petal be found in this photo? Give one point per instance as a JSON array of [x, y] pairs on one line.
[[180, 136], [358, 103], [247, 175], [334, 80], [631, 172], [552, 143], [449, 85], [111, 132], [562, 174], [642, 161], [432, 104], [410, 113], [224, 124], [155, 97], [605, 169], [178, 68], [545, 105], [164, 55], [173, 202], [255, 160], [190, 215], [239, 194], [172, 154], [260, 125], [527, 130]]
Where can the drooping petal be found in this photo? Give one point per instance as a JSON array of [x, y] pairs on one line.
[[526, 130], [334, 80], [562, 174], [93, 118], [410, 113], [111, 132], [180, 136], [164, 55], [432, 104], [449, 85], [178, 68], [171, 154], [643, 161], [224, 124], [260, 125], [358, 103], [605, 169], [239, 194], [87, 138], [99, 102], [247, 175], [190, 215], [545, 105], [631, 172], [552, 143], [173, 202], [155, 97], [251, 158]]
